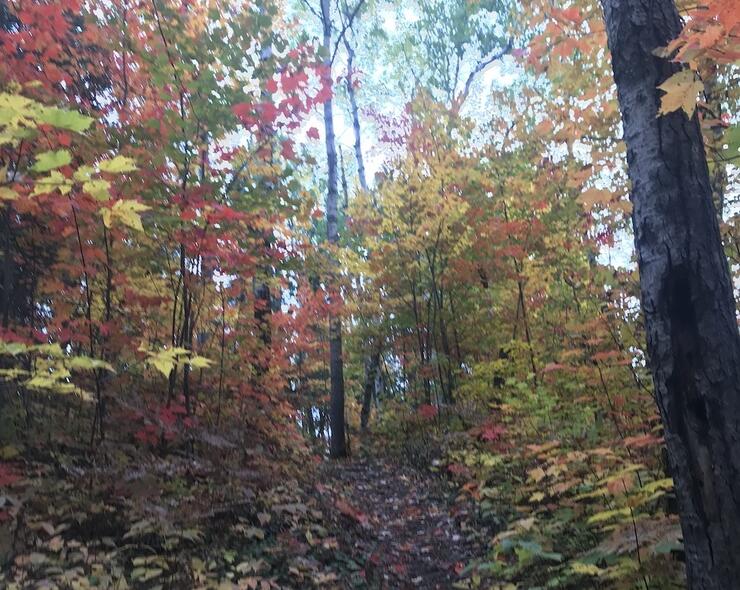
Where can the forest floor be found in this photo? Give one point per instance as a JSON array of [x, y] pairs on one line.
[[151, 521], [405, 524]]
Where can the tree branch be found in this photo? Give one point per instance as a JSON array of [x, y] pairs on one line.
[[345, 27], [482, 65]]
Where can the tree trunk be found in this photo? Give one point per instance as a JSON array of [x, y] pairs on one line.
[[372, 364], [337, 446], [355, 115], [8, 266], [687, 295], [372, 360]]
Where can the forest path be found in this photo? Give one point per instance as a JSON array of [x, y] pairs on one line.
[[405, 526]]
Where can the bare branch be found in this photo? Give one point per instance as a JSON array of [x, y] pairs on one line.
[[482, 65], [345, 27], [311, 9]]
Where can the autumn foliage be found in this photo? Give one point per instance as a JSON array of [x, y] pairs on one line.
[[165, 302]]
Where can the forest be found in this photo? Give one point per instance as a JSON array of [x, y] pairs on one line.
[[369, 294]]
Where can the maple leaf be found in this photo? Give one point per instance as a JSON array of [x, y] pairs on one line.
[[313, 133], [117, 165], [286, 149], [50, 160], [680, 93], [127, 212]]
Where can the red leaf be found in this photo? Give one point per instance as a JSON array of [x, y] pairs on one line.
[[492, 432], [427, 411], [245, 113], [292, 82], [323, 95], [313, 133], [287, 149], [8, 475], [268, 113]]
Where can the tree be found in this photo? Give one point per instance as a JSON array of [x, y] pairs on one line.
[[338, 445], [687, 294]]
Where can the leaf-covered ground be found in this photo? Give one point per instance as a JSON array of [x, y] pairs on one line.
[[116, 521], [405, 525]]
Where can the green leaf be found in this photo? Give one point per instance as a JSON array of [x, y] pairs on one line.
[[61, 119], [608, 515], [661, 484], [118, 165], [48, 184], [585, 569], [732, 140], [98, 189], [200, 362], [53, 349], [85, 363], [162, 364], [46, 161], [83, 173]]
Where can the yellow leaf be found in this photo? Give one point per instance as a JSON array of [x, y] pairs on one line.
[[98, 189], [162, 364], [200, 362], [48, 184], [537, 474], [594, 196], [107, 217], [7, 194], [117, 165], [680, 93], [608, 515], [585, 569], [127, 212]]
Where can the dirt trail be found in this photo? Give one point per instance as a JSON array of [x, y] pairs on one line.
[[402, 524]]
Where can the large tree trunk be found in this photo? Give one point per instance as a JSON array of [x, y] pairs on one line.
[[337, 445], [687, 295]]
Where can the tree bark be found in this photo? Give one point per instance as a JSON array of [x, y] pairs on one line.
[[687, 295], [338, 444]]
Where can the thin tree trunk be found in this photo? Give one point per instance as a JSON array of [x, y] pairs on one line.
[[338, 443], [687, 295], [355, 115], [372, 364], [8, 265], [372, 360]]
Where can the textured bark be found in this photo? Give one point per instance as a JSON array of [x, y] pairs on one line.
[[687, 295], [337, 445]]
